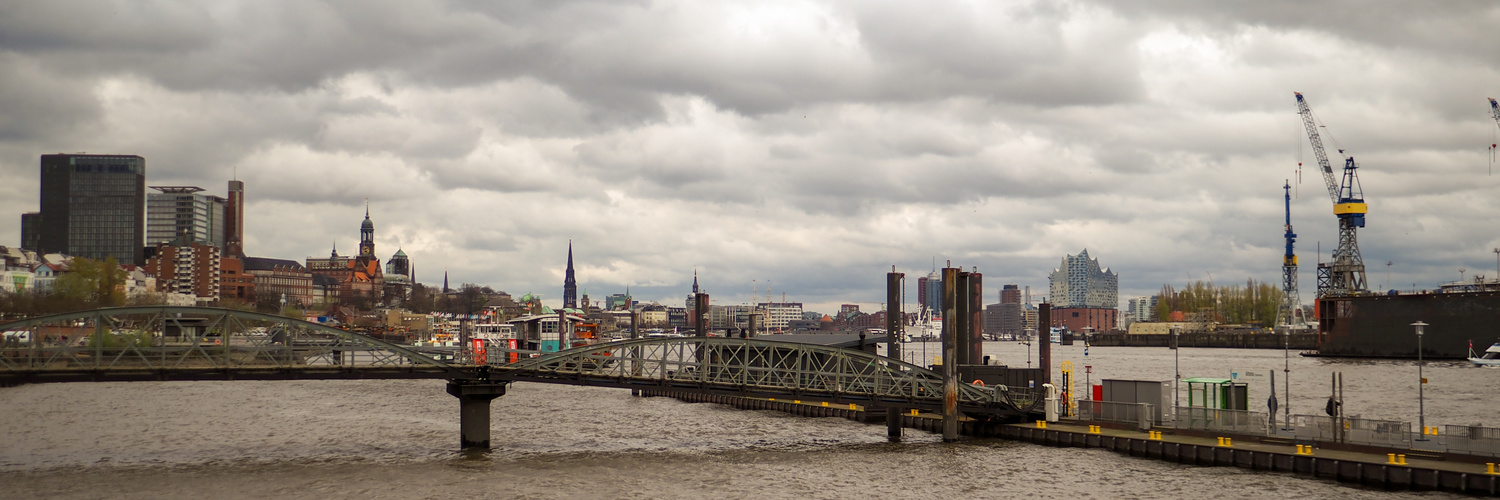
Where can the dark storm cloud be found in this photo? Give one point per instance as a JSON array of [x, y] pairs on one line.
[[808, 144]]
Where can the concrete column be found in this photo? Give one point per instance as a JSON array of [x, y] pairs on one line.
[[474, 410]]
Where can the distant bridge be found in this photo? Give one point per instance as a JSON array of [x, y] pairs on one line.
[[165, 343]]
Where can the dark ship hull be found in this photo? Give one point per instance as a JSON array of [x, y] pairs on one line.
[[1379, 326]]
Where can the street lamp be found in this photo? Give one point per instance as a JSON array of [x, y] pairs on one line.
[[1421, 410]]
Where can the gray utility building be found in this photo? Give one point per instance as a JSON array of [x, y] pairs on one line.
[[92, 206]]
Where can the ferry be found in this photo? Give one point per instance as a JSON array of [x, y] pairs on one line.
[[1490, 357]]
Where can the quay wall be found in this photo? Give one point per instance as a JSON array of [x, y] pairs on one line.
[[1299, 341]]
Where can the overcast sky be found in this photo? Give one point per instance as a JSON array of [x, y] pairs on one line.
[[804, 147]]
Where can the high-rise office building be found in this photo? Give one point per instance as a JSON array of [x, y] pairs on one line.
[[183, 215], [31, 227], [93, 206], [234, 221]]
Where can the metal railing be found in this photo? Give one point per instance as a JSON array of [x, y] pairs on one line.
[[1387, 433], [1137, 414], [1472, 440], [1219, 420]]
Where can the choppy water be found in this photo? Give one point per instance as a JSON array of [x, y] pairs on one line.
[[398, 439]]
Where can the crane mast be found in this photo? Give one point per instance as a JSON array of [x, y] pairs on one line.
[[1291, 303], [1346, 274]]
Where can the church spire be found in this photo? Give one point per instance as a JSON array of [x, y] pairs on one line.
[[695, 280], [570, 285]]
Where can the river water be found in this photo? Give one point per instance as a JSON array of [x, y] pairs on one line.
[[397, 439]]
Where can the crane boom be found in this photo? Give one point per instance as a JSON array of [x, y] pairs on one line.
[[1346, 274], [1317, 146], [1495, 109]]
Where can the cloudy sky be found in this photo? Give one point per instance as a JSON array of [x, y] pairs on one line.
[[804, 147]]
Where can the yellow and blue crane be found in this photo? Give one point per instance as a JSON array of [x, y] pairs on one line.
[[1346, 274], [1290, 312]]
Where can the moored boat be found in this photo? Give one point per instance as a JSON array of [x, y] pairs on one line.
[[1490, 357]]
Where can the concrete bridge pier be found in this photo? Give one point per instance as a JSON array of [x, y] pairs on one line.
[[893, 424], [474, 410]]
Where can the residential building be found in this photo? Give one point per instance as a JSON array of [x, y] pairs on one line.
[[187, 268], [234, 282], [1011, 311], [930, 294], [176, 213], [92, 206]]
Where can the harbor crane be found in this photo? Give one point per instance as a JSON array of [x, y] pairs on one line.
[[1346, 274], [1495, 111], [1291, 303]]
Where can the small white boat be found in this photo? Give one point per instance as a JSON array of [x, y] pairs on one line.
[[1490, 357]]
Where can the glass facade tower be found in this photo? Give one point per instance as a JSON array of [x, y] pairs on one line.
[[93, 206]]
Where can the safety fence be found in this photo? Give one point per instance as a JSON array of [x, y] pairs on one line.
[[1387, 433], [1218, 420], [1137, 414], [1472, 440]]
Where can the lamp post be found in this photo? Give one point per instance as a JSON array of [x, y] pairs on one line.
[[1421, 410], [1286, 354]]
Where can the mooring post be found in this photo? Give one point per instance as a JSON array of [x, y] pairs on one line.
[[893, 317], [893, 424], [950, 355], [474, 398], [1044, 342]]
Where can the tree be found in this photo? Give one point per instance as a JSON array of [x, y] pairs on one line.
[[93, 283]]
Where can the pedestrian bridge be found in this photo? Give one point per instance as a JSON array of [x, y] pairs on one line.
[[165, 343]]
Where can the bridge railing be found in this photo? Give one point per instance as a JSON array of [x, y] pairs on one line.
[[108, 342]]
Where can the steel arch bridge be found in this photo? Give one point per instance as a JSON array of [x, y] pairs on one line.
[[759, 368], [197, 343]]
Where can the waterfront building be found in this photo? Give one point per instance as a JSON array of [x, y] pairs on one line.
[[1010, 320], [779, 315], [1080, 282], [276, 278], [183, 212], [92, 206]]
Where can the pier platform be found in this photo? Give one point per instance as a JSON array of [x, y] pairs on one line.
[[1394, 470]]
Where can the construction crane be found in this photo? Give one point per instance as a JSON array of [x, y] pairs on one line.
[[1494, 110], [1291, 302], [1346, 274]]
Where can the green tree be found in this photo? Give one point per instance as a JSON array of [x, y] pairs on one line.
[[93, 283]]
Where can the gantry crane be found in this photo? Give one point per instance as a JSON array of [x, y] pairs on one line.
[[1291, 302], [1346, 274]]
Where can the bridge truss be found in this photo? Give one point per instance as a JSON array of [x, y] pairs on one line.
[[196, 343], [758, 368]]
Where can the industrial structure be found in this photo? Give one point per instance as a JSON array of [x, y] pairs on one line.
[[1291, 301], [1346, 274]]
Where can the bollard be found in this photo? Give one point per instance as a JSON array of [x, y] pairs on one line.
[[851, 406], [1299, 449], [1489, 468], [797, 401], [913, 412], [1390, 458], [773, 399], [1401, 459], [825, 403]]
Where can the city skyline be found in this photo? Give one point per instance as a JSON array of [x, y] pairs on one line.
[[805, 146]]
